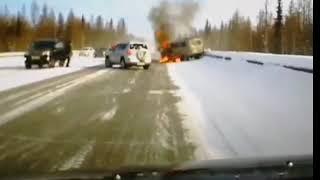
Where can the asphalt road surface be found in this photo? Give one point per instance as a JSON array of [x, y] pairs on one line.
[[96, 118]]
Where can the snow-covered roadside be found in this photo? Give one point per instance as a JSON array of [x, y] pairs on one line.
[[21, 53], [190, 107], [14, 74], [10, 54], [240, 109], [268, 59]]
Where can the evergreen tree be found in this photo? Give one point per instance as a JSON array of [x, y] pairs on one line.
[[60, 28], [69, 26], [278, 29]]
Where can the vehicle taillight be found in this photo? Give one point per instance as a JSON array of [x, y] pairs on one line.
[[130, 53]]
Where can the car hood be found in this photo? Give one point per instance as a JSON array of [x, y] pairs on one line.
[[254, 165]]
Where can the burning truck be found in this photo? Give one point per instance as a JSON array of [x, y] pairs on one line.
[[174, 34], [180, 50]]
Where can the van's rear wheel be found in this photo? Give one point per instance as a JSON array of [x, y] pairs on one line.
[[199, 56], [146, 67], [61, 63], [52, 63], [40, 65]]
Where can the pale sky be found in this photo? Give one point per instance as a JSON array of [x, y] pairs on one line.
[[136, 12]]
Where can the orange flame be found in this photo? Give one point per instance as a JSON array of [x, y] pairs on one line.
[[164, 45], [168, 59], [164, 59], [178, 59]]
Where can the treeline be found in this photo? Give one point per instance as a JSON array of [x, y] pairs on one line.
[[274, 32], [18, 30]]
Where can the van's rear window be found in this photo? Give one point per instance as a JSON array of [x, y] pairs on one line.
[[198, 42]]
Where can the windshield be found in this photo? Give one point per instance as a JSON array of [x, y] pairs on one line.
[[102, 85], [43, 45]]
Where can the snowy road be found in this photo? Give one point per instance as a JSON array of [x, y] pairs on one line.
[[88, 117], [95, 118]]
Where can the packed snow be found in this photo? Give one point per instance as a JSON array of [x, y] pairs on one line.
[[14, 74], [297, 61], [242, 109], [10, 54]]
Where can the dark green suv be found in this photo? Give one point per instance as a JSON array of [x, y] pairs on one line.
[[47, 52]]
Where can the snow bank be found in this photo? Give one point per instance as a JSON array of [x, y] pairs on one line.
[[268, 59], [14, 74], [10, 54], [248, 110]]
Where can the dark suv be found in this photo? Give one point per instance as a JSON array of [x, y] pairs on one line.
[[47, 52]]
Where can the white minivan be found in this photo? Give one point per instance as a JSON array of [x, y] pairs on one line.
[[129, 54], [87, 51]]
